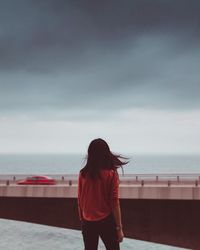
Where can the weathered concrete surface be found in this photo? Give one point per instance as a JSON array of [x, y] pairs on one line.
[[162, 192], [162, 214], [172, 222]]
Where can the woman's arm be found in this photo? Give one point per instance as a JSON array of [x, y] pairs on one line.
[[118, 221], [116, 210], [80, 213], [117, 215]]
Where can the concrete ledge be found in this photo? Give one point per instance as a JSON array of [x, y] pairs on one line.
[[39, 191], [126, 192], [160, 193]]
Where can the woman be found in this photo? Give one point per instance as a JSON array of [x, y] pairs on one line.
[[98, 202]]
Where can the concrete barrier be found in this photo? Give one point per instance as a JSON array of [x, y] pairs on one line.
[[162, 213], [125, 191]]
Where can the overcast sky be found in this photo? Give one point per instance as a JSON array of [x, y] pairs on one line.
[[127, 71]]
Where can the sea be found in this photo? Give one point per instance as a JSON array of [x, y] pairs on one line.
[[15, 235]]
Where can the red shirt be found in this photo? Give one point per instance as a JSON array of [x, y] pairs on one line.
[[97, 198]]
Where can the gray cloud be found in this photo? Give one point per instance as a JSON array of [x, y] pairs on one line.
[[99, 55], [43, 35]]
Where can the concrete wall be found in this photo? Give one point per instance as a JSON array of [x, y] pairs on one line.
[[162, 192], [172, 222], [162, 215]]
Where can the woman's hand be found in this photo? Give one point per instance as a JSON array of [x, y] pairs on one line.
[[120, 235]]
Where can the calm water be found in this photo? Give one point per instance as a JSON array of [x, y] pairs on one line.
[[26, 236], [67, 164]]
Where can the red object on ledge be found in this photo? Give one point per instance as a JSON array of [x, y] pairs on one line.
[[37, 180]]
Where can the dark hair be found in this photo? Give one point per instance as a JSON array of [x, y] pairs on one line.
[[100, 157]]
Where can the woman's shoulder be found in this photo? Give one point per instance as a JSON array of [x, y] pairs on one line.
[[109, 172]]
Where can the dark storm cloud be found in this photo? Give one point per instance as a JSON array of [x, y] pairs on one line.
[[33, 33], [60, 54]]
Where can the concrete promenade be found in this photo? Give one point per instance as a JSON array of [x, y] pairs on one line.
[[159, 209]]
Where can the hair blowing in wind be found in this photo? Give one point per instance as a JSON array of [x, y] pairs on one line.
[[100, 157]]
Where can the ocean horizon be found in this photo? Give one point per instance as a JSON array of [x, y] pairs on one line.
[[72, 163]]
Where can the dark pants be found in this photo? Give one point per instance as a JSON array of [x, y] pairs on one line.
[[104, 228]]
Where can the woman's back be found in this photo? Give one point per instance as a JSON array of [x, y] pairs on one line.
[[98, 196]]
